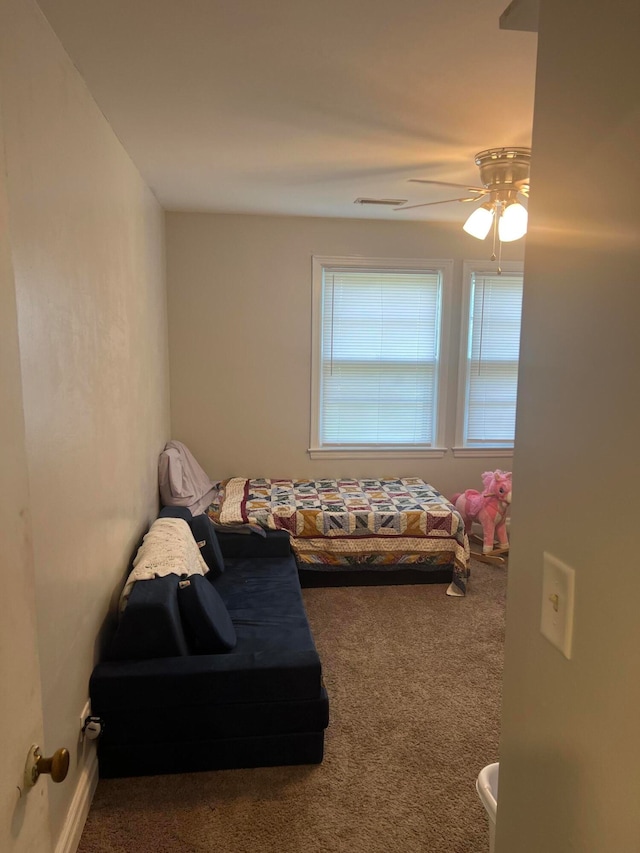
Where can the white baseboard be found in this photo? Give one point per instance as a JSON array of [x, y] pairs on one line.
[[79, 809]]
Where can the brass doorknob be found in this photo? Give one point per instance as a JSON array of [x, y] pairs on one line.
[[57, 765]]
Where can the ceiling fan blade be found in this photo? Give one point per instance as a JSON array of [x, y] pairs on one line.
[[482, 190], [430, 203]]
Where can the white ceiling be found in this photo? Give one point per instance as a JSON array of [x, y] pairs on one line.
[[300, 106]]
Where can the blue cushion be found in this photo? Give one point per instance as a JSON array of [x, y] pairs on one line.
[[175, 512], [205, 616], [151, 624], [205, 535], [264, 600]]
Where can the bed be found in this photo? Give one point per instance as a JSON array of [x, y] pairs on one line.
[[347, 526]]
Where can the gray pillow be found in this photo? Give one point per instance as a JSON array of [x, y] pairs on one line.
[[181, 480]]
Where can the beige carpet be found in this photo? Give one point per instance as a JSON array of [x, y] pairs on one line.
[[414, 684]]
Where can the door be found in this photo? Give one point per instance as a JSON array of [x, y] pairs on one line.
[[24, 817]]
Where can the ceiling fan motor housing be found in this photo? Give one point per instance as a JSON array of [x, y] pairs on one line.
[[505, 168]]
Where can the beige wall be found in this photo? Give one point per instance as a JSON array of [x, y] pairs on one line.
[[240, 339], [570, 751], [87, 250]]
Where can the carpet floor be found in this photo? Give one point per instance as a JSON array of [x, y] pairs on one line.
[[414, 683]]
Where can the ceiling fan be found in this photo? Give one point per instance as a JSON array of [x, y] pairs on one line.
[[504, 173]]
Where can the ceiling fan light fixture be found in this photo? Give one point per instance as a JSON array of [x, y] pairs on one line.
[[479, 222], [512, 225], [504, 174]]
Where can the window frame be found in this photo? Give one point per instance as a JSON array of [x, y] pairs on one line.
[[495, 449], [319, 264]]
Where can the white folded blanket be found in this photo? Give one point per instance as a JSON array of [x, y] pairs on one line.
[[168, 548]]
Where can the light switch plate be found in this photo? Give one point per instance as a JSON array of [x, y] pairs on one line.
[[558, 588]]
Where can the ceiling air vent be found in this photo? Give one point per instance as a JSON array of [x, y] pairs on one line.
[[390, 202]]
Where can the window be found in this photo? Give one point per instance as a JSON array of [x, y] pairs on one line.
[[377, 371], [489, 359]]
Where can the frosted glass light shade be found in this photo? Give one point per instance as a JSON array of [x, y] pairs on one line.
[[479, 223], [512, 225]]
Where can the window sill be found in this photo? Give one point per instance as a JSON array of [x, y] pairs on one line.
[[478, 452], [376, 453]]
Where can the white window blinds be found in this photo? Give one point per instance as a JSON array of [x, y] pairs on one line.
[[379, 360], [492, 359]]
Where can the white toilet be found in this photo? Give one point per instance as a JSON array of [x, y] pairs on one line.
[[487, 788]]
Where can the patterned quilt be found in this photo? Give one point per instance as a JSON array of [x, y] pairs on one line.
[[367, 523]]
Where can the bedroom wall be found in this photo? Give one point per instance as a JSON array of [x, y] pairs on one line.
[[570, 750], [240, 339], [87, 249]]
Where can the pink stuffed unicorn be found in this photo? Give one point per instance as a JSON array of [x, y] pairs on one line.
[[488, 507]]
